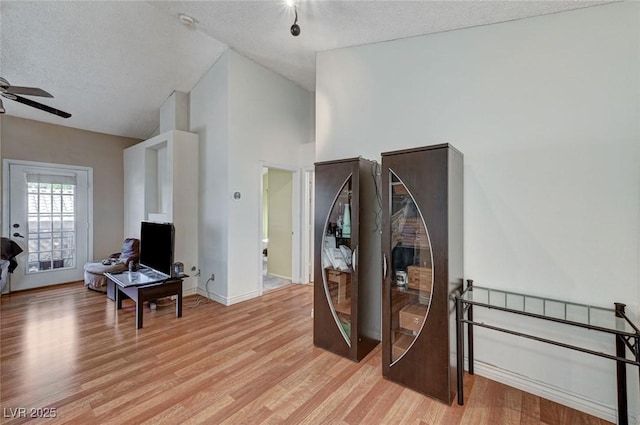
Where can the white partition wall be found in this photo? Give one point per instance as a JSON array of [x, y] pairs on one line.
[[161, 184], [247, 117]]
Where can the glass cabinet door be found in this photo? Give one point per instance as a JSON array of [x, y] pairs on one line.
[[336, 259], [411, 269]]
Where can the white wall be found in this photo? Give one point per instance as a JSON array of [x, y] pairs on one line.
[[546, 111], [246, 116], [270, 120], [174, 112], [209, 115], [307, 153]]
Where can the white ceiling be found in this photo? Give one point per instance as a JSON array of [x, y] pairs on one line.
[[112, 64]]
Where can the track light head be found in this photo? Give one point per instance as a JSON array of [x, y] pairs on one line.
[[295, 28]]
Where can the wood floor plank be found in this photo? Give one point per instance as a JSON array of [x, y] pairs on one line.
[[68, 349], [530, 413], [375, 404], [344, 399]]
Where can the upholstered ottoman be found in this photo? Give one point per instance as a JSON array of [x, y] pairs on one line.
[[94, 277]]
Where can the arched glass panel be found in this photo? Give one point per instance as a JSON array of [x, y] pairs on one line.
[[411, 269], [336, 259]]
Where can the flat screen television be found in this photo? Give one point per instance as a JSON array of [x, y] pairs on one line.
[[156, 246]]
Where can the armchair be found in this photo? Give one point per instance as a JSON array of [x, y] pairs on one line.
[[94, 277]]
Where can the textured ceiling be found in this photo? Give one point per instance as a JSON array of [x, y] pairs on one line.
[[112, 64]]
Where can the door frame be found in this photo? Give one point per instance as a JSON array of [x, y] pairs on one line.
[[295, 221], [307, 233], [6, 188]]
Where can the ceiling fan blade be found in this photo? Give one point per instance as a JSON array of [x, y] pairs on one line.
[[29, 91], [46, 108]]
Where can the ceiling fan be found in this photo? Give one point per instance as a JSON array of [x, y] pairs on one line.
[[11, 92]]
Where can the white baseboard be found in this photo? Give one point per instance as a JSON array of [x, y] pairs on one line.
[[210, 296], [280, 276], [228, 300], [550, 392], [190, 291]]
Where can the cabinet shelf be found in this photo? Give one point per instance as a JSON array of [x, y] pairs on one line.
[[401, 343], [344, 307], [412, 294], [350, 270], [402, 332]]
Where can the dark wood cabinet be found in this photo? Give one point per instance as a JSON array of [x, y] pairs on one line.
[[347, 277], [422, 245]]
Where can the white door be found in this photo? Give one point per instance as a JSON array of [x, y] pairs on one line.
[[49, 218]]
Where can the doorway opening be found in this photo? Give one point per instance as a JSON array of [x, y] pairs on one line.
[[277, 227]]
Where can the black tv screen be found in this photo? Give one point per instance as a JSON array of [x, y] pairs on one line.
[[156, 246]]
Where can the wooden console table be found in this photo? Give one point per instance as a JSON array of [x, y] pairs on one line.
[[145, 292], [610, 321]]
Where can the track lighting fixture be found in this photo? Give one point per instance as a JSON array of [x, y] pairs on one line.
[[295, 28]]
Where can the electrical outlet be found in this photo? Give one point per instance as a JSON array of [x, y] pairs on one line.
[[212, 277]]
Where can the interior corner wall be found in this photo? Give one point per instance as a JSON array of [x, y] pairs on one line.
[[546, 111], [30, 140], [209, 117], [270, 119], [174, 112], [307, 155]]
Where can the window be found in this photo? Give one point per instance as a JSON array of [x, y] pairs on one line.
[[51, 213]]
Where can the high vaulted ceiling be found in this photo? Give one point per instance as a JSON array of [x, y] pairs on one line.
[[112, 64]]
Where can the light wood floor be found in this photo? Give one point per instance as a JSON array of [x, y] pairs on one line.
[[252, 363]]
